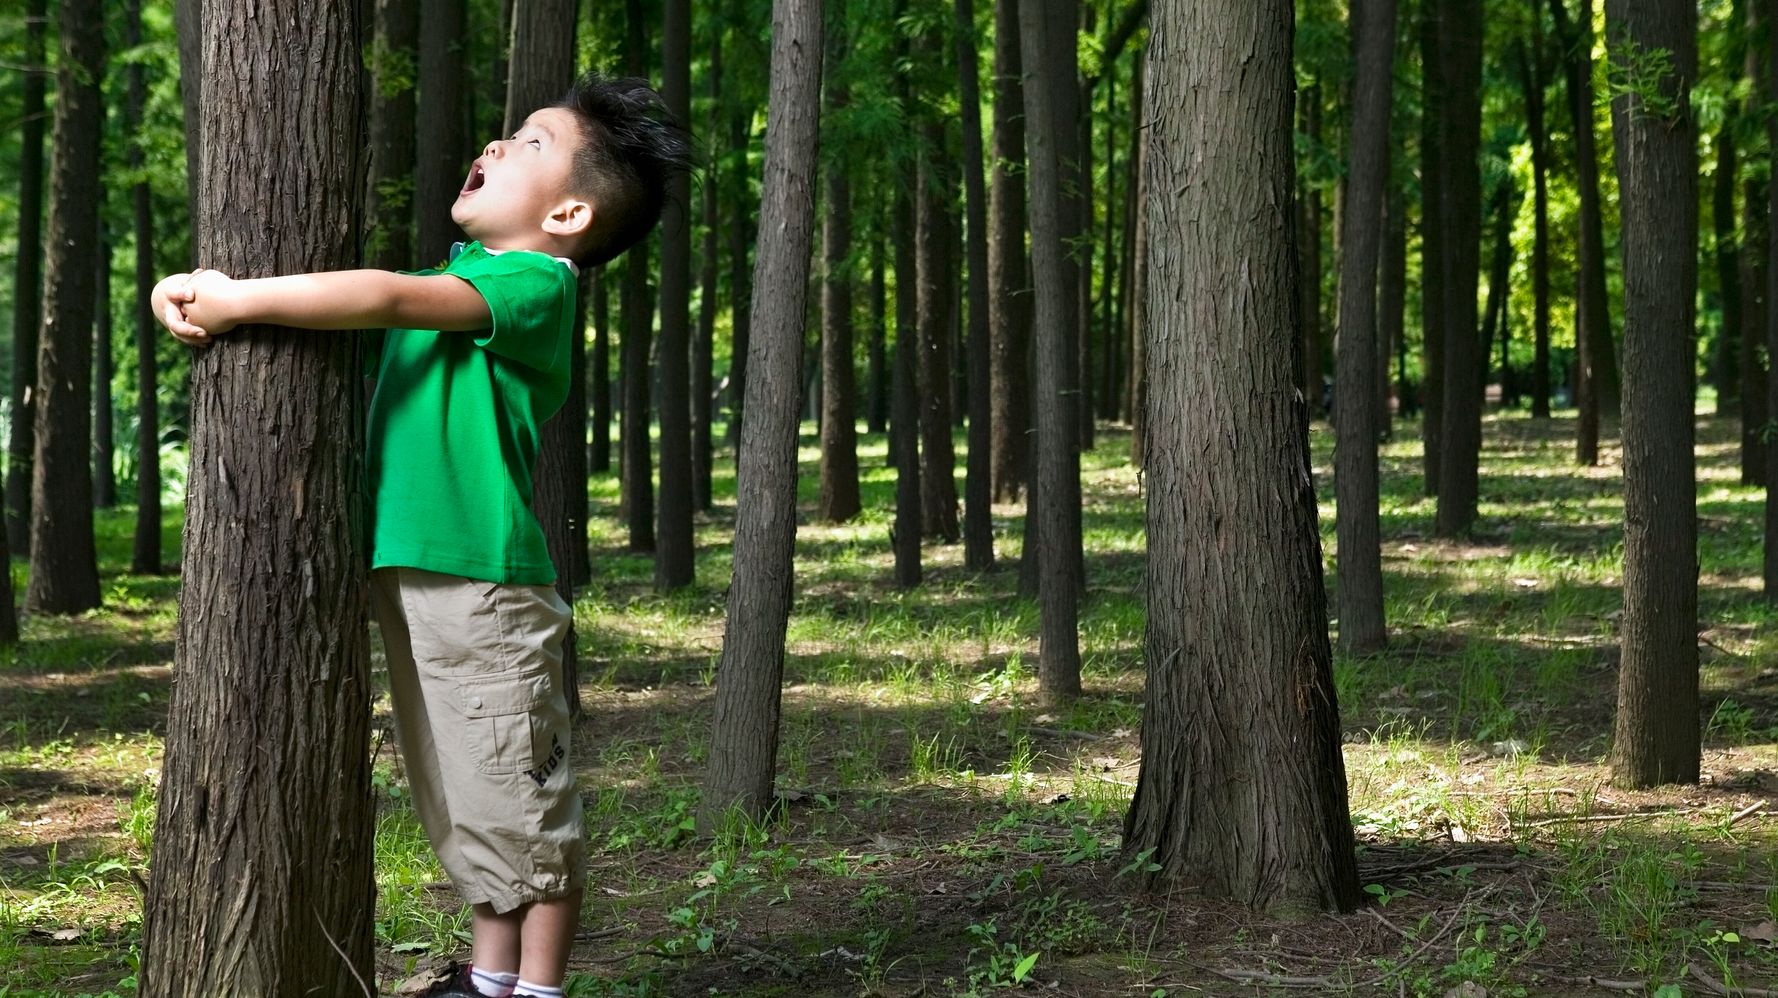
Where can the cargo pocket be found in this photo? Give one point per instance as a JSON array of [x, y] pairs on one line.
[[498, 712]]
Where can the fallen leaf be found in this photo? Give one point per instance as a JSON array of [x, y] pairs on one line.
[[1764, 932], [66, 935]]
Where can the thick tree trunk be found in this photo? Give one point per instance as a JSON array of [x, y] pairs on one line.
[[744, 735], [104, 368], [1009, 310], [1460, 216], [978, 525], [27, 282], [1056, 495], [1655, 739], [1532, 76], [439, 174], [543, 39], [261, 876], [673, 553], [877, 401], [703, 348], [839, 499], [388, 198], [599, 374], [1355, 418], [1432, 245], [933, 238], [145, 558], [64, 564], [1242, 791]]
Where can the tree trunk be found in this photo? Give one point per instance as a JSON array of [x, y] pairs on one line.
[[543, 39], [978, 525], [933, 238], [261, 876], [389, 208], [904, 420], [1754, 246], [104, 368], [740, 274], [1596, 377], [145, 558], [1392, 292], [27, 282], [1061, 69], [1655, 739], [1127, 275], [1499, 274], [1725, 373], [1460, 216], [1432, 246], [877, 405], [744, 735], [1057, 490], [674, 550], [1009, 311], [1242, 790], [64, 564], [599, 459], [839, 499], [1109, 393], [1355, 419], [1139, 296], [439, 174], [1532, 75], [703, 349], [637, 306], [1309, 244]]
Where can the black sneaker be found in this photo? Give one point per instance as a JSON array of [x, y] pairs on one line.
[[456, 985]]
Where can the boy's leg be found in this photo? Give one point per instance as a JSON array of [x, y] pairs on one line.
[[547, 935]]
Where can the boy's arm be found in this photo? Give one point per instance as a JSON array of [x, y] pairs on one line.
[[208, 303]]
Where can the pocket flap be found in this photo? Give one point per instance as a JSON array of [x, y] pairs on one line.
[[498, 695]]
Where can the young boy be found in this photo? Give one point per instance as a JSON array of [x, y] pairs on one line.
[[476, 357]]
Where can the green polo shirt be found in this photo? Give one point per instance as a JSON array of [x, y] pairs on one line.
[[454, 424]]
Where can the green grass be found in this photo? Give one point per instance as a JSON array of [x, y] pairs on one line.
[[941, 828]]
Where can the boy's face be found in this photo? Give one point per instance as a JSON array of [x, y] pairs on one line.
[[516, 195]]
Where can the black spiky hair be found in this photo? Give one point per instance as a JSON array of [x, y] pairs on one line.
[[632, 146]]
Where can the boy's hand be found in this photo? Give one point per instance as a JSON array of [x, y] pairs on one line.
[[194, 306]]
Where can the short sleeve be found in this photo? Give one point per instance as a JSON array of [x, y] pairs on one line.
[[530, 297]]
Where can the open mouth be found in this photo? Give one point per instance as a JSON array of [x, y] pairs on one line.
[[475, 180]]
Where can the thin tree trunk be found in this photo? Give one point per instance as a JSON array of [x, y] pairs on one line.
[[740, 273], [1755, 244], [978, 526], [703, 349], [637, 307], [389, 207], [1127, 273], [1139, 269], [1656, 737], [441, 131], [64, 564], [877, 403], [1465, 360], [904, 420], [744, 735], [673, 553], [1392, 292], [839, 498], [1531, 73], [27, 281], [1725, 373], [933, 238], [261, 875], [1058, 460], [1499, 273], [1355, 454], [145, 558], [104, 368], [599, 458], [1009, 312], [1309, 244], [1242, 791], [1432, 246]]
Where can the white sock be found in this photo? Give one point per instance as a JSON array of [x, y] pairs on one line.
[[537, 990], [491, 983]]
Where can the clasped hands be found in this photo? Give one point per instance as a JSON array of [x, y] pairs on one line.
[[194, 306]]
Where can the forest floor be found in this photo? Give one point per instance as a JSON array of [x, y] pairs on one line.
[[942, 833]]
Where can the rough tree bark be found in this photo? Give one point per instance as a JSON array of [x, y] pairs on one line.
[[1656, 737], [1460, 216], [438, 176], [145, 557], [1355, 409], [1009, 312], [839, 498], [1242, 790], [1056, 496], [744, 734], [673, 553], [64, 563], [261, 876], [27, 282], [978, 526]]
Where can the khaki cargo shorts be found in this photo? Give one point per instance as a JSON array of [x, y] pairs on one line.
[[475, 671]]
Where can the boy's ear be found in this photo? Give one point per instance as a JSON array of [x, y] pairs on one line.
[[570, 218]]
